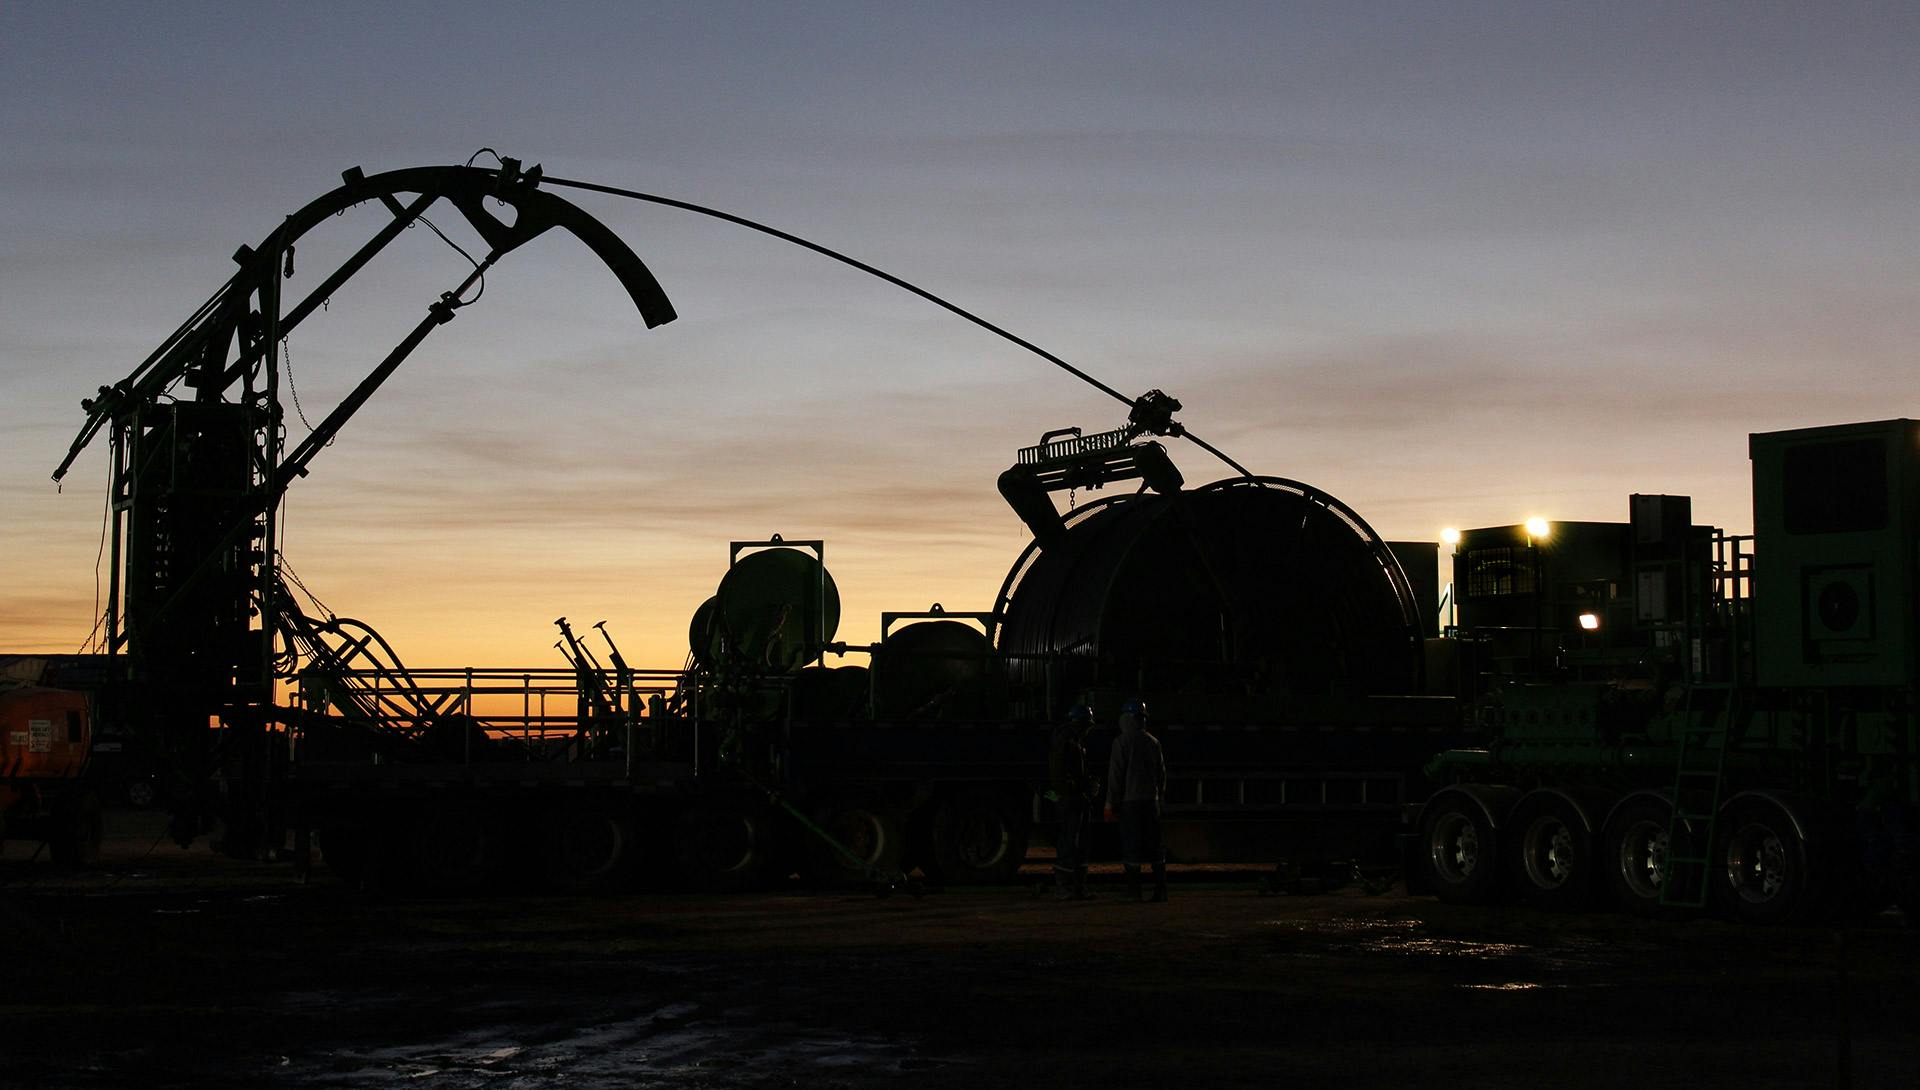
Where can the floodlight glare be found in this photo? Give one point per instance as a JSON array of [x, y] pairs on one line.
[[1590, 622], [1449, 536], [1538, 527]]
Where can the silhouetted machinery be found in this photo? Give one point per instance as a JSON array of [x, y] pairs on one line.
[[1240, 600], [199, 464], [1654, 716], [1272, 630], [1678, 718]]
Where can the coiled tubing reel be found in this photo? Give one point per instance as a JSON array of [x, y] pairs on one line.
[[1249, 599]]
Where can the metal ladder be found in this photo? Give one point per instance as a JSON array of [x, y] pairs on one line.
[[1700, 776], [1700, 768]]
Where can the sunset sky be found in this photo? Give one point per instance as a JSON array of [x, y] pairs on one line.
[[1454, 263]]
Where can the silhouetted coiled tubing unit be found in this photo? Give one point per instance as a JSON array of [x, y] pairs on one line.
[[1630, 712], [1275, 637]]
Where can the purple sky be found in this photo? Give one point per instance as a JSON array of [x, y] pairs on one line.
[[1456, 264]]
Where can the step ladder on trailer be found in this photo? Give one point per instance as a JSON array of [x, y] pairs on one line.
[[1707, 733], [1699, 784]]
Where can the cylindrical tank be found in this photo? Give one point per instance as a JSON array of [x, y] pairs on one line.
[[1226, 601], [936, 669], [775, 610], [826, 692], [703, 634]]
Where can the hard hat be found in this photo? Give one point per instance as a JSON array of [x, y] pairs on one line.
[[1079, 713], [1134, 706]]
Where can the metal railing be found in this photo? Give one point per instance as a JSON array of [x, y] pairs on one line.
[[534, 706]]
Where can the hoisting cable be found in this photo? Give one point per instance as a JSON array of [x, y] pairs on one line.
[[1216, 452], [751, 225]]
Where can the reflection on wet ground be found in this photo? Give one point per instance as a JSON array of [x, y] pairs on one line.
[[180, 969], [678, 1045], [1560, 961]]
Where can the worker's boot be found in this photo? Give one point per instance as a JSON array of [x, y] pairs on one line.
[[1159, 882], [1062, 884], [1080, 886], [1133, 880]]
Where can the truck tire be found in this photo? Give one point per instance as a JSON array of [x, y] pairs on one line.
[[1635, 855], [869, 829], [726, 846], [589, 848], [979, 838], [1551, 853], [450, 847], [1761, 871], [1460, 850], [142, 792]]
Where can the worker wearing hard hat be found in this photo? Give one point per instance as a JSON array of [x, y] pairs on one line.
[[1136, 784], [1072, 789]]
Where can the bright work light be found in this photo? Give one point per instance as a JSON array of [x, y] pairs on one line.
[[1538, 528], [1590, 621]]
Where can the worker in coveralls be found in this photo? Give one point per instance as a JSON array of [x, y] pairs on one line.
[[1136, 783], [1073, 790]]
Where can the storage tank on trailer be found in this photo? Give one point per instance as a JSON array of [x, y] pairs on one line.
[[937, 669], [774, 612]]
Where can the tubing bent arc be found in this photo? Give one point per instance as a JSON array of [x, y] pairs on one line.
[[196, 352], [199, 463], [244, 320]]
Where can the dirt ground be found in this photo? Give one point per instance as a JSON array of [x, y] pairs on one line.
[[166, 967]]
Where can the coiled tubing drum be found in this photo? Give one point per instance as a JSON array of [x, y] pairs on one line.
[[1233, 601]]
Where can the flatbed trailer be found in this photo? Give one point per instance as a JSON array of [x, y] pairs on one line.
[[960, 800]]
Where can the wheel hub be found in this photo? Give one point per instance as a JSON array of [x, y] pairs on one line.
[[983, 839], [862, 834], [1757, 863], [1549, 853], [1456, 847], [1643, 858]]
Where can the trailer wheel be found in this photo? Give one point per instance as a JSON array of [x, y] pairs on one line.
[[450, 847], [725, 847], [77, 830], [1637, 854], [142, 792], [1551, 858], [867, 828], [589, 848], [1462, 851], [979, 839], [1762, 873]]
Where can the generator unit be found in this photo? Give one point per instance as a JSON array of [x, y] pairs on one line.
[[1675, 718], [1582, 599]]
